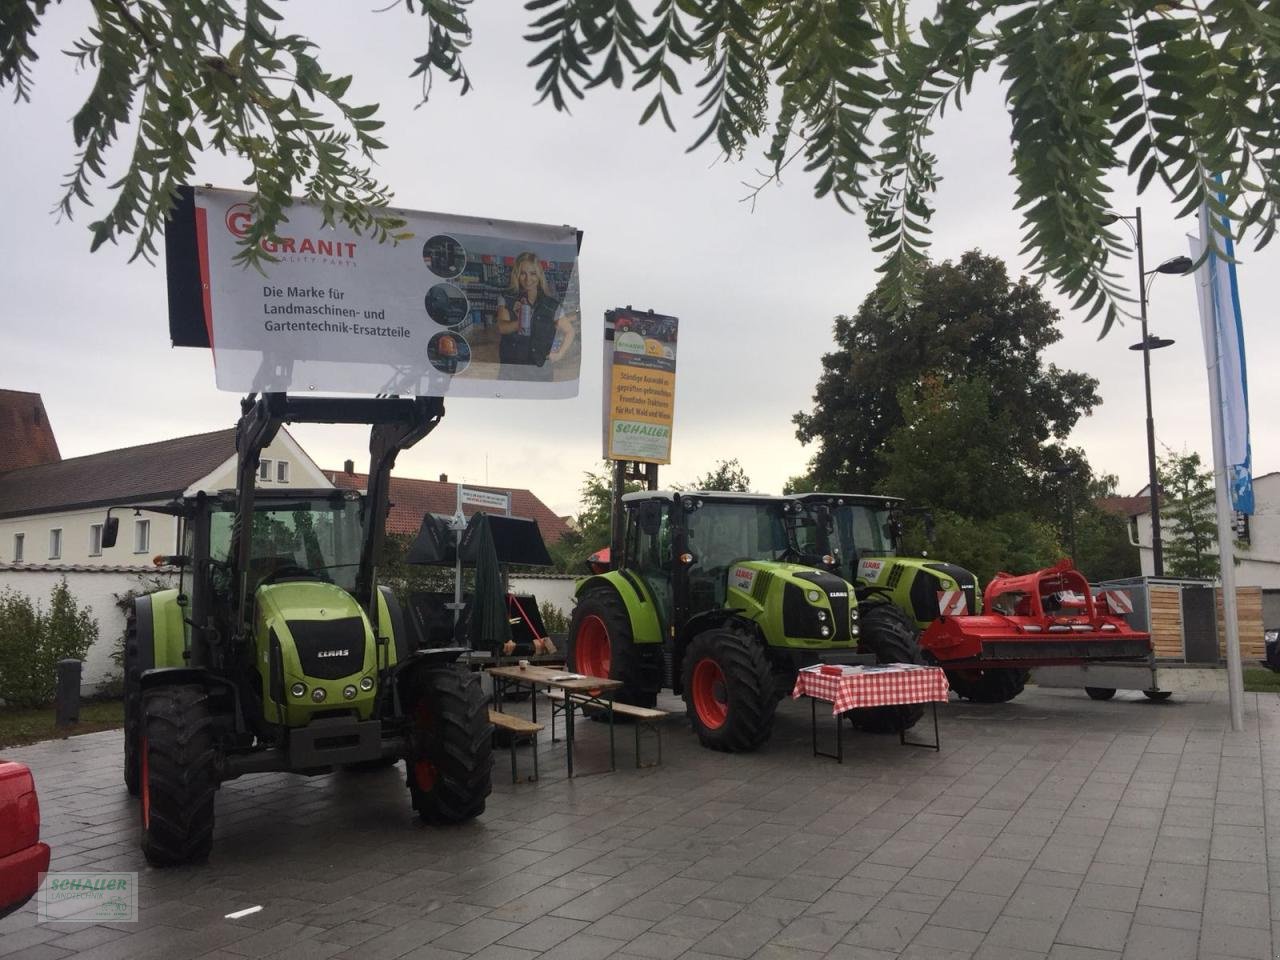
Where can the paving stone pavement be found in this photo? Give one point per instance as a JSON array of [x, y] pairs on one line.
[[1051, 827]]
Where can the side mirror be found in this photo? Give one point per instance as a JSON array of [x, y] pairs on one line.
[[110, 530]]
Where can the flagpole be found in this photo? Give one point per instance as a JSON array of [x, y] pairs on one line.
[[1222, 496]]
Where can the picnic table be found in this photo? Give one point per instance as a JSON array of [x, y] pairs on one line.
[[583, 691], [858, 687]]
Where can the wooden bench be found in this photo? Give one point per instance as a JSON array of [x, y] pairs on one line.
[[645, 718], [517, 727]]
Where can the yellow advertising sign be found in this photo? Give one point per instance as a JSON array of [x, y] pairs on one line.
[[640, 386]]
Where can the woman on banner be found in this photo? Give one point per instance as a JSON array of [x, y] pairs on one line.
[[534, 328]]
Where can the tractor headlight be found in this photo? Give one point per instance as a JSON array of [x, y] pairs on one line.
[[318, 695], [853, 631], [349, 691], [822, 615], [853, 612], [814, 596], [366, 684], [825, 631], [298, 689]]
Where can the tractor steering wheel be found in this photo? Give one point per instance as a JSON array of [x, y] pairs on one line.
[[287, 570]]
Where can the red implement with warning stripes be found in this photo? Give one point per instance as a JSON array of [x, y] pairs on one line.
[[951, 603], [1046, 618]]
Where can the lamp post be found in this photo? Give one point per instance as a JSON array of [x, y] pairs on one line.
[[1175, 265]]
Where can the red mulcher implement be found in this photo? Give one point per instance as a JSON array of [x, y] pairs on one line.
[[1041, 619]]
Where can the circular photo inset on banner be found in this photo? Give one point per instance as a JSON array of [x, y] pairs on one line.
[[447, 305], [444, 256], [449, 353]]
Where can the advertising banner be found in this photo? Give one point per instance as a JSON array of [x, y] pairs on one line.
[[639, 385], [468, 306]]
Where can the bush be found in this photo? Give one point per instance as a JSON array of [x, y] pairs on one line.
[[32, 641], [553, 618]]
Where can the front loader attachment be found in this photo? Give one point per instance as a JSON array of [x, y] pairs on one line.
[[1046, 618]]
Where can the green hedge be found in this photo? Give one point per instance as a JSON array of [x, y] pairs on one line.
[[33, 639]]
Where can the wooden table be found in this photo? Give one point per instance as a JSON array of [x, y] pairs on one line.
[[597, 691]]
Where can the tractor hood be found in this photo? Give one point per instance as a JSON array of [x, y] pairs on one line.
[[814, 606]]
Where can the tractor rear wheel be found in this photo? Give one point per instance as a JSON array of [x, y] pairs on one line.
[[450, 744], [728, 690], [601, 644], [891, 635], [988, 686], [178, 774], [1100, 693], [132, 705]]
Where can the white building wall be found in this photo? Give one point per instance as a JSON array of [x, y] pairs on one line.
[[96, 589], [557, 589], [1259, 566]]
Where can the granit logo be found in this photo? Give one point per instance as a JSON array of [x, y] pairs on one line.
[[239, 218]]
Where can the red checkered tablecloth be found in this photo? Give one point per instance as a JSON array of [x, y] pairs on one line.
[[873, 688]]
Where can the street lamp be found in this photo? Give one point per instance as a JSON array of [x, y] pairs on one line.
[[1174, 265]]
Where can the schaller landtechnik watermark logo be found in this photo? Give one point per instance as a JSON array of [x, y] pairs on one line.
[[87, 896]]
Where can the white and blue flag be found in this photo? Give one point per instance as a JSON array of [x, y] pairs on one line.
[[1223, 332]]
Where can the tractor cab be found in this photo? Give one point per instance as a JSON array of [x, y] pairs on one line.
[[850, 534]]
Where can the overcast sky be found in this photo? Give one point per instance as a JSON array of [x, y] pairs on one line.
[[755, 291]]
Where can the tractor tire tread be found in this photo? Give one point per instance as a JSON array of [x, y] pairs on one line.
[[750, 684], [463, 750], [182, 774], [132, 707]]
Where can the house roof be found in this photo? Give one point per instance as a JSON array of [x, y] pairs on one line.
[[411, 498], [146, 472], [1123, 506], [26, 436]]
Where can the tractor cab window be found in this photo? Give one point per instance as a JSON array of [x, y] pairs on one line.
[[859, 531], [722, 533], [296, 538]]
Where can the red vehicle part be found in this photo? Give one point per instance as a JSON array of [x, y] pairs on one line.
[[22, 856], [1046, 618]]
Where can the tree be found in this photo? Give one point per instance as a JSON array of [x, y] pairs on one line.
[[1148, 89], [1191, 526], [971, 325], [725, 475]]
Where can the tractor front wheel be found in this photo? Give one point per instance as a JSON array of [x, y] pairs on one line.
[[728, 690], [601, 644], [988, 686], [451, 744], [178, 774], [891, 635], [132, 706]]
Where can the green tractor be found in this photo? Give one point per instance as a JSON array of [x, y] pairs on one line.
[[282, 653], [711, 598], [856, 536]]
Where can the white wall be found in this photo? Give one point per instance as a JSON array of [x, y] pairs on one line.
[[96, 589], [1259, 566], [557, 589]]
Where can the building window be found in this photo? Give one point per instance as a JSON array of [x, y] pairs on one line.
[[282, 471], [264, 470], [95, 539], [141, 536], [55, 543], [19, 543]]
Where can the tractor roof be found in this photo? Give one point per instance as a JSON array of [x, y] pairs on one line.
[[726, 495], [868, 499]]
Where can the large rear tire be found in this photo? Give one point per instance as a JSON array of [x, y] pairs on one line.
[[451, 744], [891, 635], [132, 706], [988, 686], [601, 644], [178, 774], [728, 690]]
